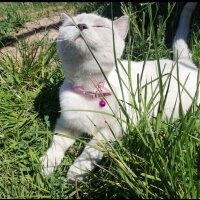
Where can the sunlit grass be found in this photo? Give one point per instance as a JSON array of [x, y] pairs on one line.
[[155, 159]]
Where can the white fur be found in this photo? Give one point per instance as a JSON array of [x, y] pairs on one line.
[[179, 45], [78, 65]]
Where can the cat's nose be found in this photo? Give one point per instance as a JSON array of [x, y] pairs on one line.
[[82, 26]]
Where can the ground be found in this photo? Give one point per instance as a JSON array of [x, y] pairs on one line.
[[35, 30]]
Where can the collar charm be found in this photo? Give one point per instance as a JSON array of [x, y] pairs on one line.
[[93, 94], [102, 103]]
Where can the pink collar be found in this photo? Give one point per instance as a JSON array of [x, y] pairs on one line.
[[91, 94]]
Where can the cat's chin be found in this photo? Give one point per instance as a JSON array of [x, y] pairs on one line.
[[80, 42]]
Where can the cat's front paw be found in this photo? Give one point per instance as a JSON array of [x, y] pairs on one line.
[[76, 173], [48, 166]]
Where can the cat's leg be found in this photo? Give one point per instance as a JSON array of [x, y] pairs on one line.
[[85, 162], [56, 151], [89, 157]]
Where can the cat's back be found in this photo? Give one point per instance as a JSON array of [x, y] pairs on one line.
[[149, 69]]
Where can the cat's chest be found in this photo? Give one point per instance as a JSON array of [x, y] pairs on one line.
[[78, 111]]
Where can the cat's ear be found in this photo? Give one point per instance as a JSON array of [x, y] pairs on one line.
[[121, 25], [64, 18]]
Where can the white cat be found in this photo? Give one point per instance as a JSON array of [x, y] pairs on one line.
[[78, 91]]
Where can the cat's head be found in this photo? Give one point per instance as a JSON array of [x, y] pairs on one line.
[[97, 32]]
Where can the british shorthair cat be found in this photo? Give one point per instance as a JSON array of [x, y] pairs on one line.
[[78, 92]]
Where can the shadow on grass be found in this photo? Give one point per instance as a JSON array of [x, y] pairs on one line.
[[47, 103]]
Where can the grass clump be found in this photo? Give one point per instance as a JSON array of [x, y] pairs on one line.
[[13, 22]]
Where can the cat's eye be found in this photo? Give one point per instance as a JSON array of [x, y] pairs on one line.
[[99, 26], [69, 25]]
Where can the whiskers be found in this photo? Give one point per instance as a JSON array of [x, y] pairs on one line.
[[55, 41]]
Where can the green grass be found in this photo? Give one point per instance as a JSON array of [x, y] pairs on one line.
[[155, 158]]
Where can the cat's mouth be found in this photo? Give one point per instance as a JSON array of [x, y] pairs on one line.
[[79, 40], [79, 37]]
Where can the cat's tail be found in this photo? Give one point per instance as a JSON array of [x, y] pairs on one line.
[[180, 47]]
